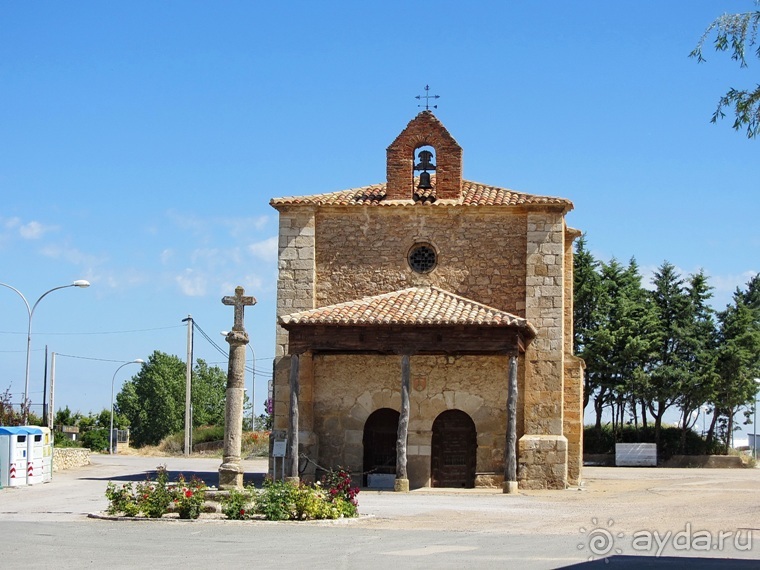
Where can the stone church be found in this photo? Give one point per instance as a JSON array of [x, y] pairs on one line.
[[424, 329]]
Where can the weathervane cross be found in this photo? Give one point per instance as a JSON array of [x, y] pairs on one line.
[[239, 301], [427, 97]]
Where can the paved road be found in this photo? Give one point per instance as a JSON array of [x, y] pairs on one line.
[[681, 511]]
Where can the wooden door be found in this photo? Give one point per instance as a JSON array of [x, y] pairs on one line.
[[454, 448]]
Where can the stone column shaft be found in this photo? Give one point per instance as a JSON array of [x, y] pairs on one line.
[[230, 472]]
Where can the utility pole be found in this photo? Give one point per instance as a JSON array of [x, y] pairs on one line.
[[188, 385], [51, 414]]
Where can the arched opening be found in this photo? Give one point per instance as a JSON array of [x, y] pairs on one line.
[[454, 449], [380, 433]]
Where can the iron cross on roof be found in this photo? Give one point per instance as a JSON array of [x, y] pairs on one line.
[[239, 301], [427, 97]]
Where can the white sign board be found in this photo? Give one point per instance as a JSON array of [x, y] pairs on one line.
[[278, 447], [636, 455]]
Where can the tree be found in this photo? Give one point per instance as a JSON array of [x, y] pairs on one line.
[[738, 362], [617, 347], [208, 395], [736, 33], [587, 285], [668, 372], [153, 401], [700, 344]]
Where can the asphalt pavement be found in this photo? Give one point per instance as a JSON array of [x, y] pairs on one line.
[[603, 522]]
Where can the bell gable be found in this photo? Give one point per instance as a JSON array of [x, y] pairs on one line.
[[423, 131]]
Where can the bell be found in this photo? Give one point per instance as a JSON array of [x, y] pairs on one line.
[[424, 181], [425, 164]]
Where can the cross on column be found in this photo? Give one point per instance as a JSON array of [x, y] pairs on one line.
[[239, 301]]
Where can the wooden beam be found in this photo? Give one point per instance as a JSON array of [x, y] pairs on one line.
[[510, 452], [396, 339], [402, 478], [291, 469]]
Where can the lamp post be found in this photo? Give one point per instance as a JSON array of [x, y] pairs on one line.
[[81, 283], [110, 433], [253, 383], [754, 422]]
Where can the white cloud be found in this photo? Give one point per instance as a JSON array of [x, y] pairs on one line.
[[34, 230], [266, 250], [29, 230], [69, 254], [191, 283], [166, 256]]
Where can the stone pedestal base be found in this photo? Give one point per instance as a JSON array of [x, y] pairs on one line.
[[230, 476], [293, 480], [509, 487], [542, 462], [401, 485]]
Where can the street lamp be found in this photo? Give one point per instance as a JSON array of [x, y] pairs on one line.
[[81, 283], [253, 382], [110, 434], [754, 423]]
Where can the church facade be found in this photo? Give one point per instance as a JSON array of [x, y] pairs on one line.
[[424, 329]]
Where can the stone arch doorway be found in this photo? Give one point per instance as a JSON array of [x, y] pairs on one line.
[[380, 433], [453, 450]]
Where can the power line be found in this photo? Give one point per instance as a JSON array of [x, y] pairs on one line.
[[87, 358], [94, 333]]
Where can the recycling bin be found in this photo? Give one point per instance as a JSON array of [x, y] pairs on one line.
[[34, 451], [13, 456], [47, 455]]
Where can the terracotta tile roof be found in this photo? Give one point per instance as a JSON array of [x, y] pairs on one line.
[[413, 306], [473, 194]]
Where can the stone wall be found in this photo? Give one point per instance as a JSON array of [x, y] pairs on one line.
[[515, 260], [70, 457], [339, 392], [295, 279], [573, 418], [363, 251]]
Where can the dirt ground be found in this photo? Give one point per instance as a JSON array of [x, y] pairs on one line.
[[628, 499]]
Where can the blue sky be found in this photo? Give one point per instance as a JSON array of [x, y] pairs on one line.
[[140, 143]]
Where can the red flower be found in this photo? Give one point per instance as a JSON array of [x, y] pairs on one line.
[[242, 512], [188, 493]]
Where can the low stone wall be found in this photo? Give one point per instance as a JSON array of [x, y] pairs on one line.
[[208, 446], [70, 457], [707, 461]]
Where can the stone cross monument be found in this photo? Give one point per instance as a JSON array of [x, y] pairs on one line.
[[230, 472]]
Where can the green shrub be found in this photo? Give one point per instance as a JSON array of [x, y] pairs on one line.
[[341, 493], [330, 499], [60, 440], [154, 497], [122, 500], [277, 500], [96, 439], [603, 440], [188, 497], [238, 505]]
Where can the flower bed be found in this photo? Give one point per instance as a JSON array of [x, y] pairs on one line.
[[332, 498]]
